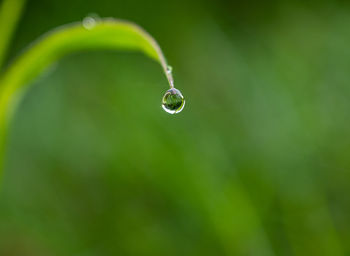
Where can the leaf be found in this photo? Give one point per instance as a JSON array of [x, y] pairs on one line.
[[101, 34], [10, 13]]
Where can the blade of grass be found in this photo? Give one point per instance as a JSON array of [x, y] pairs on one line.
[[104, 34], [10, 13]]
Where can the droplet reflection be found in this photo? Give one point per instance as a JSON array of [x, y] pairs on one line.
[[89, 22], [169, 69], [173, 102]]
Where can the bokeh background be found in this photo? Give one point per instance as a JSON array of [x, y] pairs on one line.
[[258, 162]]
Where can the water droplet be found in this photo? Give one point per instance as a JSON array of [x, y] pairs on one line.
[[173, 102], [169, 69], [89, 22]]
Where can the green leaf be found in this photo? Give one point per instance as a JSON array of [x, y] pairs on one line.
[[94, 34], [10, 13]]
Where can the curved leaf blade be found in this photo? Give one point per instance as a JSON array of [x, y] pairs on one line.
[[105, 34]]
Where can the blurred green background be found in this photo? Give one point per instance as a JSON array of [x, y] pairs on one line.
[[258, 162]]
